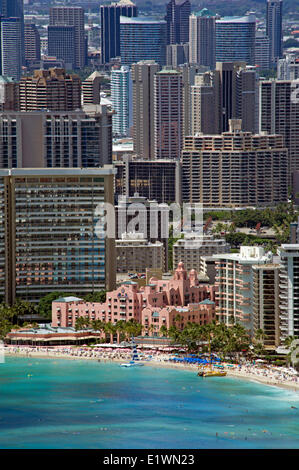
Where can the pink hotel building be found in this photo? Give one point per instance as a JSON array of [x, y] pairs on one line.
[[156, 304]]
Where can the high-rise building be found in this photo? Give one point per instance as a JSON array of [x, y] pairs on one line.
[[234, 282], [134, 253], [72, 16], [11, 47], [53, 233], [121, 99], [157, 180], [289, 291], [262, 51], [41, 139], [177, 18], [91, 89], [266, 301], [235, 39], [62, 44], [288, 68], [177, 54], [143, 107], [9, 94], [32, 43], [234, 169], [274, 28], [168, 114], [229, 92], [52, 89], [142, 38], [189, 74], [14, 9], [202, 39], [279, 114], [110, 27]]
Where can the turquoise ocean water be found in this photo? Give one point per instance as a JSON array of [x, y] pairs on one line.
[[63, 404]]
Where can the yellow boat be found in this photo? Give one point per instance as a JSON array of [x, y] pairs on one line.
[[209, 371], [214, 373]]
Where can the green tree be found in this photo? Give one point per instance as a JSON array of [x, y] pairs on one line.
[[97, 297], [82, 323], [45, 303], [6, 320]]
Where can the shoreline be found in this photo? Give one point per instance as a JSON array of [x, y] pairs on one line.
[[287, 385]]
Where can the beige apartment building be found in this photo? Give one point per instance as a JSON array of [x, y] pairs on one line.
[[52, 234], [53, 90], [134, 253], [41, 139], [234, 169], [190, 250]]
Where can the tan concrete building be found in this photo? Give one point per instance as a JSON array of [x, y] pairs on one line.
[[266, 311], [52, 89], [51, 233], [143, 107], [228, 92], [91, 89], [134, 253], [41, 139], [234, 169], [190, 250]]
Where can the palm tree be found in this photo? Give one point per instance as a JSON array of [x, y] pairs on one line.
[[163, 330], [81, 323]]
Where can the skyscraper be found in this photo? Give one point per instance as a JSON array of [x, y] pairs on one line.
[[177, 18], [142, 38], [202, 39], [32, 43], [229, 92], [72, 16], [62, 44], [14, 9], [11, 47], [91, 89], [143, 107], [274, 28], [168, 114], [279, 113], [110, 27], [235, 39], [121, 91], [50, 232]]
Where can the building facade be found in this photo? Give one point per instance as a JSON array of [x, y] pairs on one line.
[[143, 107], [52, 89], [134, 253], [110, 27], [274, 28], [234, 285], [234, 169], [177, 18], [121, 93], [142, 39], [53, 232], [202, 40], [11, 47], [128, 302], [71, 16], [235, 39], [43, 139], [168, 114]]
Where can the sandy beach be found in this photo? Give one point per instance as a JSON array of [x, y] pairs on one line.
[[265, 375]]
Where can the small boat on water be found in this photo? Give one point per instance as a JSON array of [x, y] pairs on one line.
[[135, 358], [209, 371]]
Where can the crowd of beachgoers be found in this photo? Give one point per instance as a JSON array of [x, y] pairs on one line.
[[259, 370]]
